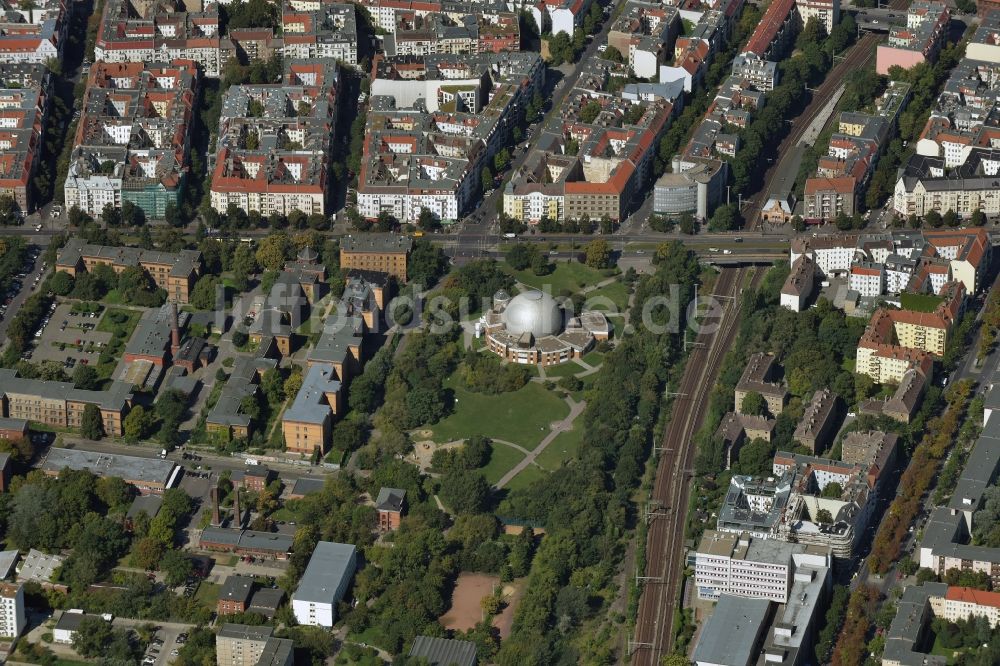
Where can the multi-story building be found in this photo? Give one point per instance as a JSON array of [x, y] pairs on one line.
[[867, 278], [12, 616], [920, 41], [376, 252], [24, 109], [234, 596], [759, 377], [228, 419], [432, 157], [174, 272], [697, 190], [799, 284], [776, 31], [149, 476], [324, 583], [35, 34], [965, 603], [329, 32], [644, 34], [132, 140], [827, 12], [60, 404], [420, 34], [819, 421], [243, 645], [307, 423], [742, 565]]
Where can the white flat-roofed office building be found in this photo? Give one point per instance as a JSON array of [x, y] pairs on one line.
[[324, 583]]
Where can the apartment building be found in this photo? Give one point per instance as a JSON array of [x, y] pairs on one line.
[[433, 157], [153, 31], [644, 34], [132, 140], [24, 116], [920, 41], [380, 253], [306, 424], [819, 422], [324, 583], [867, 278], [34, 35], [776, 31], [827, 12], [760, 376], [421, 34], [799, 284], [331, 31], [274, 142], [12, 615], [234, 596], [243, 645], [228, 419], [613, 161], [174, 272], [60, 404]]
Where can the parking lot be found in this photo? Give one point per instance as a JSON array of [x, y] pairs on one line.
[[162, 650], [23, 284], [70, 338]]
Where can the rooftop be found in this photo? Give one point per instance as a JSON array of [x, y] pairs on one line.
[[329, 568], [130, 468], [731, 636], [444, 651]]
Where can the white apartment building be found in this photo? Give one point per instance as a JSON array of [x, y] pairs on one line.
[[407, 207], [92, 191], [868, 279], [827, 12], [324, 583], [963, 603], [730, 563], [12, 617], [832, 255]]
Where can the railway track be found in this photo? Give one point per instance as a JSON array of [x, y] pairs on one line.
[[654, 635]]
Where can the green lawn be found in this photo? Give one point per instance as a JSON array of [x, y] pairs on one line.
[[526, 477], [108, 326], [919, 302], [501, 461], [568, 276], [564, 370], [207, 595], [614, 292], [562, 448], [521, 416], [594, 358]]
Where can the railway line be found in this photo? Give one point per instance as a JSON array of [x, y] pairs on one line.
[[653, 633]]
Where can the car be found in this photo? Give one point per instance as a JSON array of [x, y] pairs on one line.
[[174, 652], [38, 227]]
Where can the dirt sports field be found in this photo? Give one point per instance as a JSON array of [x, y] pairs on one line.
[[465, 610]]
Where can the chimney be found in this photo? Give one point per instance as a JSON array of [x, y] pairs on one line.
[[237, 514], [175, 331], [215, 507]]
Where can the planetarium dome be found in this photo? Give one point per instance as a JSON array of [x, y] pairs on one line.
[[533, 312]]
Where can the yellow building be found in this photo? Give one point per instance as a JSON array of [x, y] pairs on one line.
[[384, 253], [307, 422], [174, 272], [61, 405]]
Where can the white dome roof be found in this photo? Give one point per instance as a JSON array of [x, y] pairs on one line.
[[533, 312]]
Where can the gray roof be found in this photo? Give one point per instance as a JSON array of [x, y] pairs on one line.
[[236, 588], [70, 620], [304, 486], [152, 335], [39, 566], [325, 576], [8, 558], [245, 631], [341, 331], [276, 652], [266, 600], [267, 541], [182, 263], [13, 424], [376, 243], [795, 620], [905, 631], [946, 536], [980, 469], [310, 404], [129, 468], [444, 651], [116, 397], [150, 504], [732, 635], [241, 383], [390, 499]]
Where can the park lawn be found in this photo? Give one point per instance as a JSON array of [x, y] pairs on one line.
[[564, 370], [370, 636], [594, 358], [568, 276], [615, 292], [919, 302], [526, 477], [521, 416], [562, 448], [502, 459]]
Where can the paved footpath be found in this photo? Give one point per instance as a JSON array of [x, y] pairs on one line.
[[575, 409]]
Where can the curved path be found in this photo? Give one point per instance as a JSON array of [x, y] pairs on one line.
[[575, 409]]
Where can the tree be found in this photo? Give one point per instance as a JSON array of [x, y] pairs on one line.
[[8, 211], [798, 224], [240, 338], [146, 553], [137, 424], [203, 296], [755, 457], [61, 283], [92, 636], [293, 383], [85, 377], [91, 423], [111, 216], [753, 403], [933, 219], [686, 224], [725, 218], [486, 177], [501, 160], [823, 516], [274, 250], [590, 112], [978, 218], [833, 490], [428, 221], [951, 218], [598, 253], [465, 492], [519, 256], [177, 566]]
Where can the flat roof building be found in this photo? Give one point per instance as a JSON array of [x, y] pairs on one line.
[[735, 632], [149, 475], [324, 583], [444, 651]]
